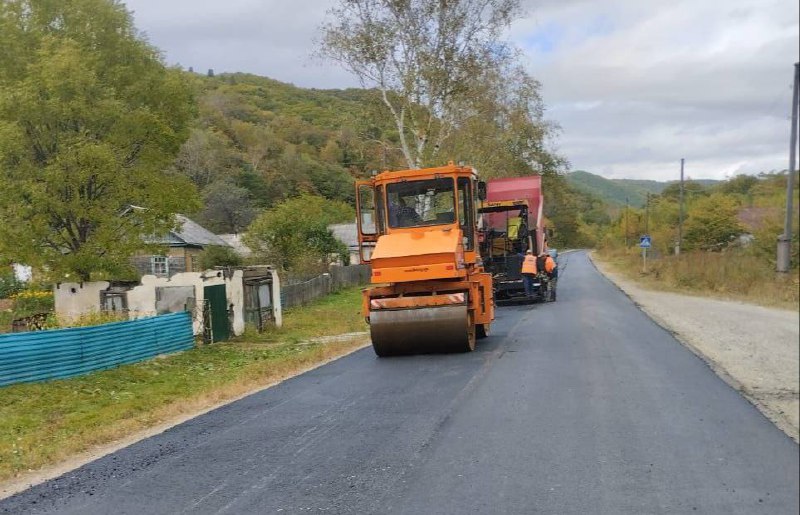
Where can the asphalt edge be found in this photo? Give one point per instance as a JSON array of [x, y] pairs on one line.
[[37, 477], [775, 418]]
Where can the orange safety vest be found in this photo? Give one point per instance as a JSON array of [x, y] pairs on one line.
[[549, 264], [529, 264]]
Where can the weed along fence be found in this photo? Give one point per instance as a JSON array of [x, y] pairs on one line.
[[339, 277], [61, 353]]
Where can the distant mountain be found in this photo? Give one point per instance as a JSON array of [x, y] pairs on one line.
[[615, 191]]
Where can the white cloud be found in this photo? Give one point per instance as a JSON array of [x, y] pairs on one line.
[[635, 85], [660, 80], [274, 38]]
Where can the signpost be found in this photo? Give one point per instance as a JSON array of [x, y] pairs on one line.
[[644, 243]]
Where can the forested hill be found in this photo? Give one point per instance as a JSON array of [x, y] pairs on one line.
[[257, 141], [616, 191]]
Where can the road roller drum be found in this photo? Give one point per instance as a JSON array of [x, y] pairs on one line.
[[422, 330]]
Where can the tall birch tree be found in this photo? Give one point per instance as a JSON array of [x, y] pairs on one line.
[[424, 57]]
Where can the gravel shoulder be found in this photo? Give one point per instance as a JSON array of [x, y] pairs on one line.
[[753, 348]]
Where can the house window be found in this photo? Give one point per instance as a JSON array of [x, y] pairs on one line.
[[159, 266]]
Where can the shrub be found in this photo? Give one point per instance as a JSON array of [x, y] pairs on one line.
[[28, 302], [219, 256], [712, 223], [88, 319]]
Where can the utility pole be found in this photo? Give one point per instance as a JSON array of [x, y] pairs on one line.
[[785, 239], [680, 215], [627, 243], [646, 230]]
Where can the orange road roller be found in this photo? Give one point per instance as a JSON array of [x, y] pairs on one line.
[[418, 231]]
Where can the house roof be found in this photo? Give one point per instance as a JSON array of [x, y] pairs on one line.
[[235, 241], [346, 233], [191, 233]]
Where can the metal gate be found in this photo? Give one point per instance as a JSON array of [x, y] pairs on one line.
[[218, 307], [258, 303]]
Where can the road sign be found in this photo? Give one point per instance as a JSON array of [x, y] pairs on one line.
[[644, 241]]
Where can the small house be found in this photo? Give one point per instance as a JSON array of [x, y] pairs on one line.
[[348, 234], [184, 245]]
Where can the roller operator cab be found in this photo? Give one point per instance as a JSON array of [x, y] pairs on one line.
[[418, 231]]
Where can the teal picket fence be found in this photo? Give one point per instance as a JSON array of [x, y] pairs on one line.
[[60, 353]]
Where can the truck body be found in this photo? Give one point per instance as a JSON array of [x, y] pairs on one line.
[[512, 223]]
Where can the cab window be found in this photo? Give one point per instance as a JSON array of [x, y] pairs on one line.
[[466, 212], [421, 203]]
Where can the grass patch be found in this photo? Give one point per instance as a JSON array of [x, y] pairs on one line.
[[734, 275], [45, 423], [6, 317]]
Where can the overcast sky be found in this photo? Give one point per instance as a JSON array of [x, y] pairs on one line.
[[634, 84]]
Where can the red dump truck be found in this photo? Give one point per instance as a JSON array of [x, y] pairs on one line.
[[511, 223]]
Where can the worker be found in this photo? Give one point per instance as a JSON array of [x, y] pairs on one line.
[[528, 272], [550, 266], [551, 271], [401, 215]]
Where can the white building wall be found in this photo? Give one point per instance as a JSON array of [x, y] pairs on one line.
[[277, 309], [74, 299], [142, 299], [234, 289]]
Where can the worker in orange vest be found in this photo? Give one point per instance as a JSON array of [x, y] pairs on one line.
[[550, 266], [528, 272], [551, 269]]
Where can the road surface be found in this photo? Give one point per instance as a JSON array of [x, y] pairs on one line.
[[580, 406]]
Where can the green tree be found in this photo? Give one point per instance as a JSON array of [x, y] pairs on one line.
[[741, 184], [294, 234], [425, 57], [691, 189], [228, 208], [89, 120], [711, 223], [504, 133], [204, 158]]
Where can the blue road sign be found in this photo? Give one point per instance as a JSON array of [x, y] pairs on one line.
[[644, 241]]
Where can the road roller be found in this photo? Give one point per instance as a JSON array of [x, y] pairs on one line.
[[417, 229]]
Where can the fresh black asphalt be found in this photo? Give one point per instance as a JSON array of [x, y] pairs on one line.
[[579, 406]]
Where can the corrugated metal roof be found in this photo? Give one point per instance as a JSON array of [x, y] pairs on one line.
[[189, 232], [194, 234]]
